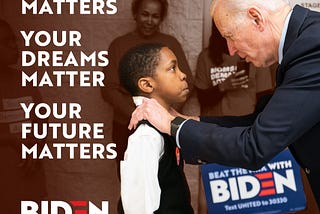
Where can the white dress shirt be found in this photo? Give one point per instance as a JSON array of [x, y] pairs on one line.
[[140, 190], [283, 37]]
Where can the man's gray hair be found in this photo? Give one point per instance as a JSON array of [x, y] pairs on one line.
[[239, 7]]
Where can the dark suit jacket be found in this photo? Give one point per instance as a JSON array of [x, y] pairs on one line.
[[290, 119]]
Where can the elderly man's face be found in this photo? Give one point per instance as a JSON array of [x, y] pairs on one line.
[[243, 39]]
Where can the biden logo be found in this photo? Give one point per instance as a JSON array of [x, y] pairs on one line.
[[249, 186], [275, 188], [71, 207]]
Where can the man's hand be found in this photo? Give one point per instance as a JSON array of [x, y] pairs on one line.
[[152, 111], [158, 116]]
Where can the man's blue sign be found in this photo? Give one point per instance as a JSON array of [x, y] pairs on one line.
[[275, 188]]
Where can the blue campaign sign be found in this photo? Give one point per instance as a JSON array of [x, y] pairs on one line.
[[275, 188]]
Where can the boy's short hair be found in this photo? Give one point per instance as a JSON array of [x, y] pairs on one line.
[[140, 61]]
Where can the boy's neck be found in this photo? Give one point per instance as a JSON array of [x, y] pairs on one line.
[[163, 104]]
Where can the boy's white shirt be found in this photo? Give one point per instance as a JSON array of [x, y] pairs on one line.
[[140, 190]]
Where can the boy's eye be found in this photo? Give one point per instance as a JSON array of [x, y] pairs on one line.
[[172, 68]]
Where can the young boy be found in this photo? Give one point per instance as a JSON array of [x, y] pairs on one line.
[[152, 177]]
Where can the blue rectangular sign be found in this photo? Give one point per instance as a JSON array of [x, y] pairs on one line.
[[275, 188]]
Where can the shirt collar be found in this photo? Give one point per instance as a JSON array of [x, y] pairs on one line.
[[283, 36], [137, 100]]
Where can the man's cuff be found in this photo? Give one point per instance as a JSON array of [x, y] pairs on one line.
[[174, 125], [177, 134]]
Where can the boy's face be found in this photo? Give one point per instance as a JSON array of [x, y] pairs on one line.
[[170, 85], [8, 47]]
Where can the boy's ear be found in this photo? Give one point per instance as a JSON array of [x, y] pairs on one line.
[[145, 84]]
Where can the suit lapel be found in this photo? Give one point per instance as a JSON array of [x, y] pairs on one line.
[[296, 20]]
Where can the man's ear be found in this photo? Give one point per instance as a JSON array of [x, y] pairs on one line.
[[257, 18], [146, 84]]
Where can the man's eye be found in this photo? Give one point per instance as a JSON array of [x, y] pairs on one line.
[[228, 37]]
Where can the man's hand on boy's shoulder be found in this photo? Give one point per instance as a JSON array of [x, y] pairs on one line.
[[152, 111], [158, 116]]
